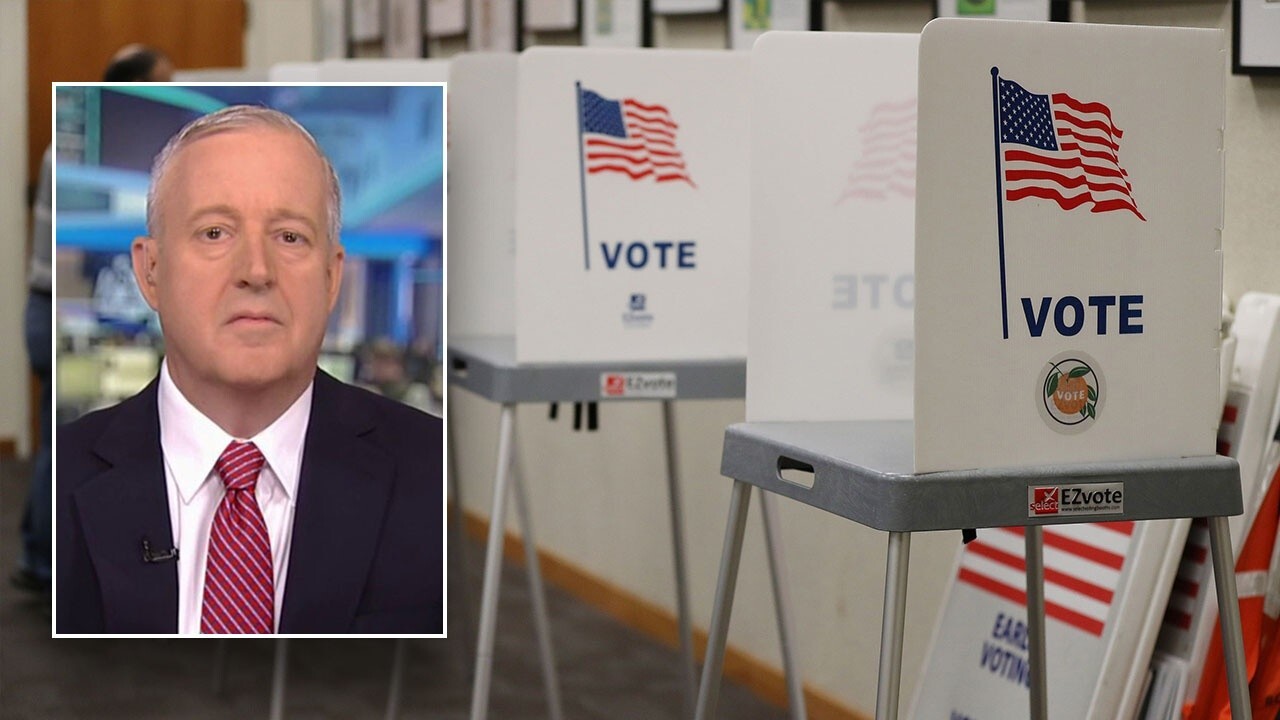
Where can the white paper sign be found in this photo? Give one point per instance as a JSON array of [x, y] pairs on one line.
[[492, 25], [550, 14], [631, 175], [1068, 243], [446, 17], [482, 194], [749, 19], [612, 23], [832, 284]]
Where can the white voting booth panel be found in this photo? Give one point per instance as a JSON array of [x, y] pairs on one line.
[[380, 70], [1056, 320], [832, 236], [482, 194], [631, 225], [1050, 317]]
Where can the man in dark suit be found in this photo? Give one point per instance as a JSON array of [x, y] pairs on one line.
[[244, 490]]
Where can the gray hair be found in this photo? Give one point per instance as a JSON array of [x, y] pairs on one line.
[[239, 117]]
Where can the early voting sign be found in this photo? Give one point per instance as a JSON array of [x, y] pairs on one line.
[[482, 194], [1068, 270], [631, 230], [832, 235], [1068, 243]]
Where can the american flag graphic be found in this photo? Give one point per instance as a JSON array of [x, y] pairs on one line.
[[1058, 148], [630, 137], [887, 164], [1082, 568]]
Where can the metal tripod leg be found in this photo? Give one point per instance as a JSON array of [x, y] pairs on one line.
[[1224, 574], [493, 566], [397, 679], [1036, 651], [678, 549], [278, 679], [895, 610], [541, 624], [782, 604], [458, 559], [219, 666], [713, 665]]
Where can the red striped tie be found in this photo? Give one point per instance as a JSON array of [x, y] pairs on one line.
[[238, 594]]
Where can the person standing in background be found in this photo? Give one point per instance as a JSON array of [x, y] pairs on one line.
[[131, 63], [138, 63], [34, 570]]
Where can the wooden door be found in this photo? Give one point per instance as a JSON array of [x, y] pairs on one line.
[[74, 40]]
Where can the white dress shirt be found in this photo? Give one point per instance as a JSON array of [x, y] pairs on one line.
[[191, 444]]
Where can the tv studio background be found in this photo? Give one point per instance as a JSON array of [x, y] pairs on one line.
[[386, 144]]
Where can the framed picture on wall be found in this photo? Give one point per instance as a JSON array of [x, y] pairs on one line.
[[749, 19], [445, 18], [687, 7], [1255, 33], [616, 23], [1002, 9], [550, 15], [333, 35], [366, 20], [494, 25], [405, 30]]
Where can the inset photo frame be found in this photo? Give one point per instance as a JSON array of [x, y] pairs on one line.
[[1255, 37]]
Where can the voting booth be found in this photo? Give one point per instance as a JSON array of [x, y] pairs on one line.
[[482, 195], [627, 247], [628, 204], [832, 229], [1067, 276]]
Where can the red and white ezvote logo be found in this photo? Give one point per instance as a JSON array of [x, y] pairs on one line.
[[614, 385], [1044, 500]]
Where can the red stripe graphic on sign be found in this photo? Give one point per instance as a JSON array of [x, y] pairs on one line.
[[1051, 609], [1082, 569]]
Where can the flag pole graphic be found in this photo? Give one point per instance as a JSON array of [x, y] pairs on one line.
[[995, 116], [582, 173]]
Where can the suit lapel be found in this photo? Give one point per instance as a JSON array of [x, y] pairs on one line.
[[343, 489], [119, 509]]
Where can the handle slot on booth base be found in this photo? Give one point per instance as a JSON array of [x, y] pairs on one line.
[[458, 367], [796, 472]]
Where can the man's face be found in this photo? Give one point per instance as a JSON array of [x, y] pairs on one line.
[[242, 273]]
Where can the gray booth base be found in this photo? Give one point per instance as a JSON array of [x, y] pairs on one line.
[[487, 366], [863, 471]]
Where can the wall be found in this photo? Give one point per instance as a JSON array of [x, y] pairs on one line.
[[599, 499], [13, 222]]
